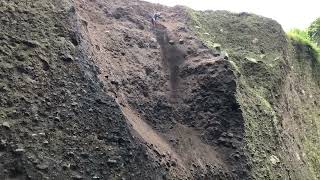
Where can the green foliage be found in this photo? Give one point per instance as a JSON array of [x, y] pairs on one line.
[[314, 31], [303, 37]]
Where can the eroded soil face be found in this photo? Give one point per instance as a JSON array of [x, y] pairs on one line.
[[56, 122], [91, 90], [176, 94]]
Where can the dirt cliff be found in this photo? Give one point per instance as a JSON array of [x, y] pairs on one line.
[[90, 89]]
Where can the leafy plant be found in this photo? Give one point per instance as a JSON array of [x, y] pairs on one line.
[[303, 37], [314, 31]]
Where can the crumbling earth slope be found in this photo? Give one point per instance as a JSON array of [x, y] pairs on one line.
[[277, 89], [91, 90], [56, 120], [170, 85]]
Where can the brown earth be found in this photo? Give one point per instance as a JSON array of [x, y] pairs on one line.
[[91, 90], [56, 120], [148, 120], [166, 90]]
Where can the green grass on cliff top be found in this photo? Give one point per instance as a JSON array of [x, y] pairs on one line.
[[303, 37]]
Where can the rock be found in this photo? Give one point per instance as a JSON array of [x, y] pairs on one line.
[[101, 101], [167, 168], [65, 166], [197, 27], [157, 152], [67, 58], [21, 57], [173, 163], [74, 167], [251, 60], [57, 118], [33, 159], [19, 151], [112, 161], [142, 44], [6, 125], [30, 43], [217, 46], [77, 176], [42, 166], [230, 135], [274, 159], [70, 154], [119, 13], [225, 55], [153, 43], [184, 29], [153, 40], [255, 40], [115, 83], [222, 139], [190, 37], [225, 142], [84, 155], [181, 41], [236, 156], [95, 177], [3, 88], [215, 52], [3, 144], [72, 9], [171, 42], [207, 34]]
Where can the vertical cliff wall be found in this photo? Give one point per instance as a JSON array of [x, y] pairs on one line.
[[56, 120], [90, 89], [277, 88]]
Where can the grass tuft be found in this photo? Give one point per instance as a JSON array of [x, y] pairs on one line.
[[314, 31], [303, 37]]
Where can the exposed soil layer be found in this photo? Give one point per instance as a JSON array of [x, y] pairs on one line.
[[56, 120], [178, 95], [90, 89], [277, 89]]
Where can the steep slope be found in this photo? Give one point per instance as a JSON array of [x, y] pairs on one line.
[[277, 88], [177, 94], [56, 121], [91, 90], [301, 94]]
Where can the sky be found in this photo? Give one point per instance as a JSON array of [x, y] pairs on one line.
[[289, 13]]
